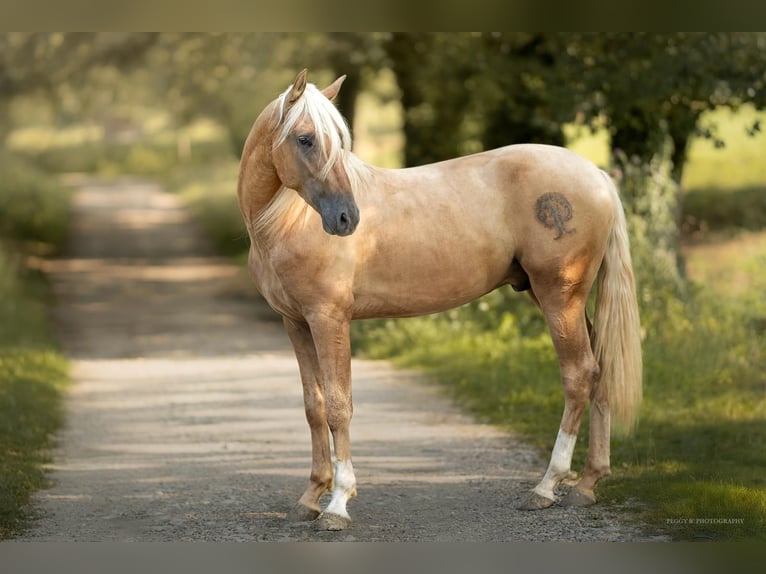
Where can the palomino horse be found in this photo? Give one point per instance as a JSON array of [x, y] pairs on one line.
[[335, 239]]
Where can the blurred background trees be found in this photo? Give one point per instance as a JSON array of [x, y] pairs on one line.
[[674, 117], [458, 92]]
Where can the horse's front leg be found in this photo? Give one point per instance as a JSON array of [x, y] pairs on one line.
[[320, 480], [333, 347]]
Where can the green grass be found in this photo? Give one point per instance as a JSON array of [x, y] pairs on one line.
[[700, 449], [86, 148], [30, 411], [33, 372], [728, 262], [715, 209], [33, 208], [739, 164]]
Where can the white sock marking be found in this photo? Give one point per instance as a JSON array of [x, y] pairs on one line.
[[344, 487], [561, 461]]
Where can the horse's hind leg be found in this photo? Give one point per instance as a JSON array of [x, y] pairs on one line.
[[564, 310], [307, 508], [597, 465]]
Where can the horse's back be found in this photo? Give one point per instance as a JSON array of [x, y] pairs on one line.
[[536, 166]]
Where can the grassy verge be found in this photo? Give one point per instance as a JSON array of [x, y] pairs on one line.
[[695, 466], [32, 371]]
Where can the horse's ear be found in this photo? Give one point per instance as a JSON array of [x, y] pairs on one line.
[[299, 85], [332, 90]]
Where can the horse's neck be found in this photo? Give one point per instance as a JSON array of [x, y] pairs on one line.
[[257, 186]]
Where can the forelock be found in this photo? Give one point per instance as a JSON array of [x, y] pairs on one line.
[[325, 118]]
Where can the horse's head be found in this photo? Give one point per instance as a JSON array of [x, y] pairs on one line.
[[311, 144]]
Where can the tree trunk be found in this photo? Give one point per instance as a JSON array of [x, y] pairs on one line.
[[404, 49], [640, 137], [513, 122], [346, 100]]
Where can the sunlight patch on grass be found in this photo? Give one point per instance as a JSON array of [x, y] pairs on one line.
[[729, 265], [740, 163]]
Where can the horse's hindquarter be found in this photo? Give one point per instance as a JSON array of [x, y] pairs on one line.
[[437, 236]]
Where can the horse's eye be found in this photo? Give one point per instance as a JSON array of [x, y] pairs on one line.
[[306, 141]]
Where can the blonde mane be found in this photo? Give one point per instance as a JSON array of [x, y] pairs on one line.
[[325, 117], [288, 209]]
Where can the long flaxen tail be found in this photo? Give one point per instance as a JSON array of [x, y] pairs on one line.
[[616, 334]]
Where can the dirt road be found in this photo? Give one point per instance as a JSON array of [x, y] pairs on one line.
[[186, 422]]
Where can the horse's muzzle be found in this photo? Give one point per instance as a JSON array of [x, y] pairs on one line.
[[340, 215]]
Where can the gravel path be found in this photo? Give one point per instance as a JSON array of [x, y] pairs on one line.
[[186, 420]]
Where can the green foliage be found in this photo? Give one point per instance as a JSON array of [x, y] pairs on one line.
[[152, 158], [702, 435], [465, 92], [33, 219], [649, 196], [32, 376], [33, 206], [653, 87], [38, 61], [735, 165], [712, 209], [31, 382]]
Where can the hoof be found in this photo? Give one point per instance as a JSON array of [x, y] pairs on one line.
[[577, 497], [332, 522], [536, 501], [302, 513]]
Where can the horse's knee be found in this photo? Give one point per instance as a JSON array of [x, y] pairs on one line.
[[316, 416], [579, 380], [339, 412]]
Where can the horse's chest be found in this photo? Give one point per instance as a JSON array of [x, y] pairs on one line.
[[271, 286]]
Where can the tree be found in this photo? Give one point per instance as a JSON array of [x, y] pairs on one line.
[[43, 62], [228, 77], [431, 117], [467, 92], [652, 89], [521, 111], [353, 54]]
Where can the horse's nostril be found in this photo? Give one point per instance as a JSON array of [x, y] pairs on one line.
[[344, 219]]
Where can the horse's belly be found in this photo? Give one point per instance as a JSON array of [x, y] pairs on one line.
[[422, 286]]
